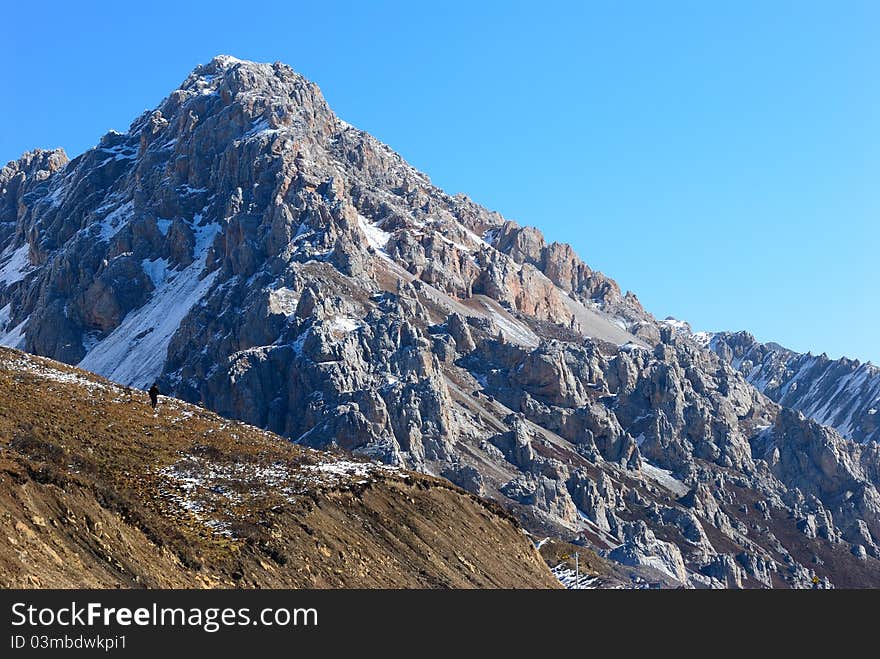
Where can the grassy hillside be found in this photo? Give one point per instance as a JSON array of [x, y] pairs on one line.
[[97, 490]]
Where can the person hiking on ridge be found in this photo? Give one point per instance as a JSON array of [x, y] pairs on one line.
[[154, 395]]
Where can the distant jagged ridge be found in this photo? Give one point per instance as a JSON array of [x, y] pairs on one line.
[[841, 393]]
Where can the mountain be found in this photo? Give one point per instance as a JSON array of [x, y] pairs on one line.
[[262, 258], [100, 491], [841, 393]]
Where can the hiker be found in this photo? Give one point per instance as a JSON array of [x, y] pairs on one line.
[[154, 395]]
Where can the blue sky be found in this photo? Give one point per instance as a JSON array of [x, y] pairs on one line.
[[720, 159]]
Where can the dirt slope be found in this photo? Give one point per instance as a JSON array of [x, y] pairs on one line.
[[98, 491]]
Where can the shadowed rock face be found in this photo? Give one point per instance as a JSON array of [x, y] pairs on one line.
[[258, 255]]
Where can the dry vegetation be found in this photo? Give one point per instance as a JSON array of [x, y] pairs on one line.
[[97, 490]]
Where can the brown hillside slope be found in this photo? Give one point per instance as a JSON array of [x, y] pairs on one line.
[[98, 491]]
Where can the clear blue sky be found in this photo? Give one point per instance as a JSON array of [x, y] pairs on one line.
[[720, 159]]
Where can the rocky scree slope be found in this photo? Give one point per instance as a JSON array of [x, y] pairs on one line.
[[97, 490], [264, 258]]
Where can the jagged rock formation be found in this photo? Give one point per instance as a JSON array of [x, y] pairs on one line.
[[841, 393], [263, 258]]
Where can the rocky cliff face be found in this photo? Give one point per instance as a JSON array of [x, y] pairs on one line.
[[841, 393], [261, 257]]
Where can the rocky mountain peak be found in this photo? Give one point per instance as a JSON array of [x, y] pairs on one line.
[[38, 163], [275, 90], [258, 256]]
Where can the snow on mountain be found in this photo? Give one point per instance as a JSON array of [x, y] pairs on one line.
[[135, 352], [839, 393], [13, 265], [256, 255]]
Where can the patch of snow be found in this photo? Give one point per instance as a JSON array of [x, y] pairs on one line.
[[29, 364], [55, 198], [760, 382], [300, 341], [513, 330], [257, 126], [121, 152], [344, 324], [156, 270], [376, 238], [201, 486], [665, 478], [567, 578], [703, 338], [14, 337], [163, 226], [480, 242], [677, 325], [135, 352], [283, 301], [114, 221], [228, 60], [457, 245], [490, 236], [301, 230], [342, 468], [189, 190], [261, 127], [332, 473], [764, 433], [15, 265], [204, 236]]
